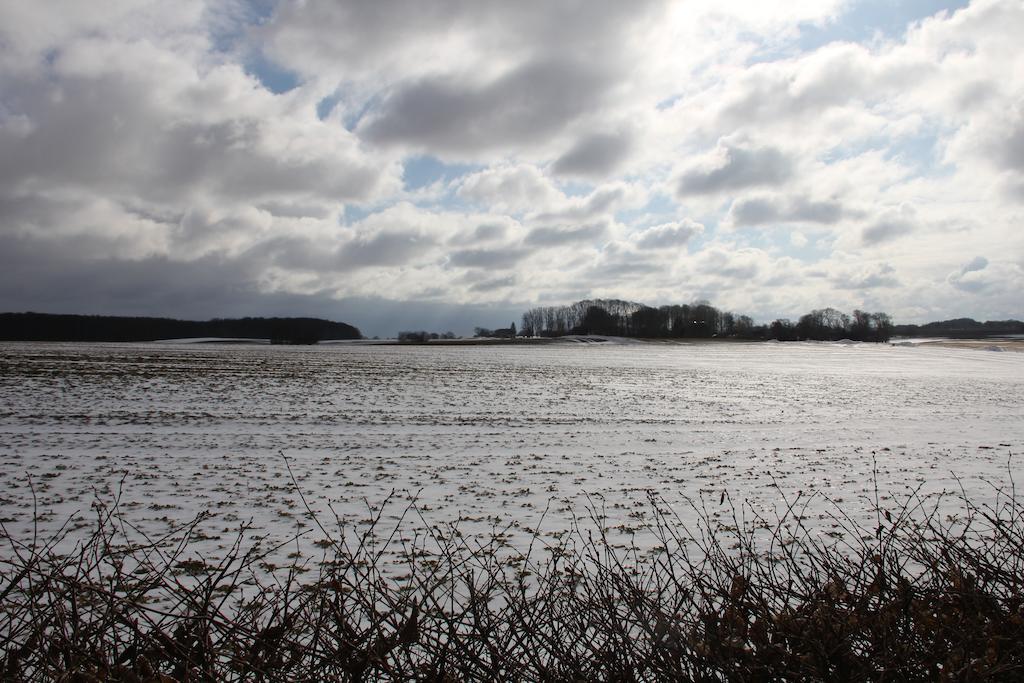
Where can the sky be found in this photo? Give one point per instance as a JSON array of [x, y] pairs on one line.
[[446, 164]]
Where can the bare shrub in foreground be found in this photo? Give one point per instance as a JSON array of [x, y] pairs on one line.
[[922, 596]]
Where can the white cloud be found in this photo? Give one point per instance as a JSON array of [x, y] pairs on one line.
[[979, 277], [514, 189], [669, 235]]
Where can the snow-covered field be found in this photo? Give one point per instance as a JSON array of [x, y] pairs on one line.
[[489, 436]]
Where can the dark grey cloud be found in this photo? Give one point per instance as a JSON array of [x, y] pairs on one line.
[[156, 213], [740, 168], [32, 210], [555, 237], [49, 277], [489, 231], [483, 234], [1010, 151], [736, 271], [114, 135], [231, 160], [669, 235], [353, 35], [491, 284], [360, 39], [525, 106], [622, 268], [392, 247], [284, 209], [752, 211], [295, 253], [887, 228], [595, 155], [201, 231], [975, 264], [493, 259], [483, 237], [1014, 188], [998, 142]]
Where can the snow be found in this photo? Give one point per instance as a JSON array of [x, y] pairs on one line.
[[493, 436], [213, 340]]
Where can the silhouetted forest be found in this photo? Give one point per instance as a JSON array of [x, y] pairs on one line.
[[422, 336], [49, 327], [614, 317], [961, 327]]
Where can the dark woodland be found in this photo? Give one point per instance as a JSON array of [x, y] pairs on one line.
[[699, 320], [961, 327], [95, 328]]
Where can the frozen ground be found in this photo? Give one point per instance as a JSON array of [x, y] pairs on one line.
[[490, 436]]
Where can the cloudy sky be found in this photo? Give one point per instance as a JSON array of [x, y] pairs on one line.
[[450, 163]]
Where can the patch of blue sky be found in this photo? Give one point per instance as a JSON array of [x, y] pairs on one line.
[[913, 150], [919, 151], [273, 77], [354, 116], [354, 213], [229, 32], [575, 188], [424, 170], [699, 242], [817, 247], [659, 209], [865, 20], [860, 21], [227, 24], [768, 238], [847, 151], [669, 102], [778, 240], [325, 106]]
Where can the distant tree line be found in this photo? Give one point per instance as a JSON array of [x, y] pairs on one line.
[[49, 327], [961, 327], [614, 317], [828, 324], [499, 333], [421, 336]]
